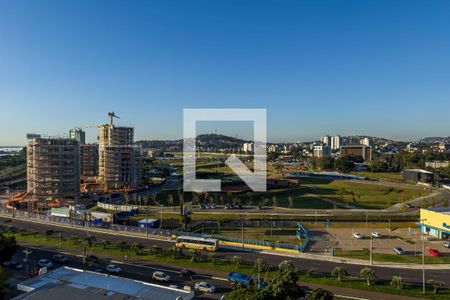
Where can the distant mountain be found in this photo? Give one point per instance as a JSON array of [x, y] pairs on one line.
[[203, 141]]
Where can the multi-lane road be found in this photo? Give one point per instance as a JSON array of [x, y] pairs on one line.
[[382, 272]]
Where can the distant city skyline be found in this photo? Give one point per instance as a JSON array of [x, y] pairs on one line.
[[376, 68]]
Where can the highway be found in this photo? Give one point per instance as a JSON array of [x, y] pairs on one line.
[[382, 272]]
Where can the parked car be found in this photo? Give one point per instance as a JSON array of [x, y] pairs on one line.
[[434, 252], [113, 269], [45, 263], [187, 274], [161, 276], [202, 206], [399, 251], [205, 287], [13, 264], [447, 244], [376, 234], [357, 235], [211, 206], [60, 258]]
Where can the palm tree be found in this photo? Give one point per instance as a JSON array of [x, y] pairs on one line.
[[437, 285], [122, 245], [156, 250], [291, 201], [397, 282], [236, 260], [368, 274], [339, 272], [274, 201], [174, 251], [260, 266], [170, 201], [137, 248], [286, 266], [105, 243], [90, 240], [194, 255], [212, 258]]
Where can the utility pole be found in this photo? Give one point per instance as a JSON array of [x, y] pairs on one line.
[[423, 265], [242, 232], [389, 228], [371, 250], [161, 223]]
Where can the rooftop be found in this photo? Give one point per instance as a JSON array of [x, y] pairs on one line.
[[75, 284]]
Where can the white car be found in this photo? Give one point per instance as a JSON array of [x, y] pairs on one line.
[[376, 234], [399, 251], [357, 235], [205, 287], [113, 269], [161, 276], [45, 263]]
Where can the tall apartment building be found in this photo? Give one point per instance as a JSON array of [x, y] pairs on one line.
[[119, 158], [336, 142], [77, 134], [365, 141], [247, 147], [53, 167], [88, 161], [322, 151], [357, 150], [326, 140]]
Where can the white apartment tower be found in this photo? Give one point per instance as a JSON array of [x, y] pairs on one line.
[[336, 142], [326, 140]]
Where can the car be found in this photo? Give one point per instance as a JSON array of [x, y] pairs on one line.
[[187, 274], [203, 206], [60, 258], [399, 250], [211, 206], [45, 263], [357, 235], [447, 244], [376, 234], [161, 276], [91, 259], [113, 269], [228, 206], [13, 264], [205, 287], [434, 252]]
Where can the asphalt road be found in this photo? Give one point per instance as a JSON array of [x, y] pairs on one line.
[[386, 273], [138, 272]]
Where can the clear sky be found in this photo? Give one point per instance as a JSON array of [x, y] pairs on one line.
[[351, 67]]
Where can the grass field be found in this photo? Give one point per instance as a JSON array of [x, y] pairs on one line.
[[394, 258], [382, 176]]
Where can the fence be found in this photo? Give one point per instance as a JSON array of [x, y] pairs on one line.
[[90, 224]]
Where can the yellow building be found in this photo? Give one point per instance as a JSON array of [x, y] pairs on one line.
[[435, 222]]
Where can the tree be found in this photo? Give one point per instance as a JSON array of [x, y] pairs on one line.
[[260, 266], [105, 243], [274, 201], [212, 258], [377, 166], [344, 164], [8, 247], [286, 266], [236, 260], [90, 240], [397, 282], [368, 274], [339, 272], [174, 251], [156, 250], [170, 201], [320, 294], [437, 285], [122, 245], [291, 201], [137, 248], [194, 255]]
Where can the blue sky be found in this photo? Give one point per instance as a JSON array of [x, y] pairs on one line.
[[351, 67]]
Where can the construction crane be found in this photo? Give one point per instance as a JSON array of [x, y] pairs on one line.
[[112, 115]]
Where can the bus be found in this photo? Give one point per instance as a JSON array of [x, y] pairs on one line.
[[197, 243]]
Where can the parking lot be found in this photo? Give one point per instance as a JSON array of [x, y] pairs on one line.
[[409, 239]]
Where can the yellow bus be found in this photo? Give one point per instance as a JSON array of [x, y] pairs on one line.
[[197, 243]]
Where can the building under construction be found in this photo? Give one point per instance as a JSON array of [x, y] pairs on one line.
[[119, 158], [89, 162], [53, 167]]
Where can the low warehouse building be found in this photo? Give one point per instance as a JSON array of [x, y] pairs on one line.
[[435, 222]]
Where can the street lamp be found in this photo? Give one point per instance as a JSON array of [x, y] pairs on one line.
[[423, 259]]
